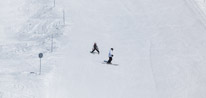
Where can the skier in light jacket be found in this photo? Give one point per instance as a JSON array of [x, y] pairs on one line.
[[110, 56]]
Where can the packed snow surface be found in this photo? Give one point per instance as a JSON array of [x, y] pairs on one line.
[[159, 46]]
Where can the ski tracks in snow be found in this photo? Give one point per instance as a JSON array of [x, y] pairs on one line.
[[19, 60], [196, 9]]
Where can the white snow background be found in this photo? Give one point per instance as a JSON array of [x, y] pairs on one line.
[[159, 45]]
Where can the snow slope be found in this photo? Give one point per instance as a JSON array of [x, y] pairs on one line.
[[26, 29], [159, 46], [8, 22]]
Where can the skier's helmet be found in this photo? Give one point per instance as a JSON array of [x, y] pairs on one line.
[[112, 49]]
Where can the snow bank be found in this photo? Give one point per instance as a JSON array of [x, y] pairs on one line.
[[26, 30]]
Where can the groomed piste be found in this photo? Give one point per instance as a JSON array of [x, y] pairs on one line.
[[159, 46]]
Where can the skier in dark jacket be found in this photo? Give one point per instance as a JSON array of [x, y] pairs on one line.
[[95, 47], [110, 56]]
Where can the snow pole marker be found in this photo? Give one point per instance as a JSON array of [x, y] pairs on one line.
[[63, 17], [52, 42], [40, 56], [54, 3]]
